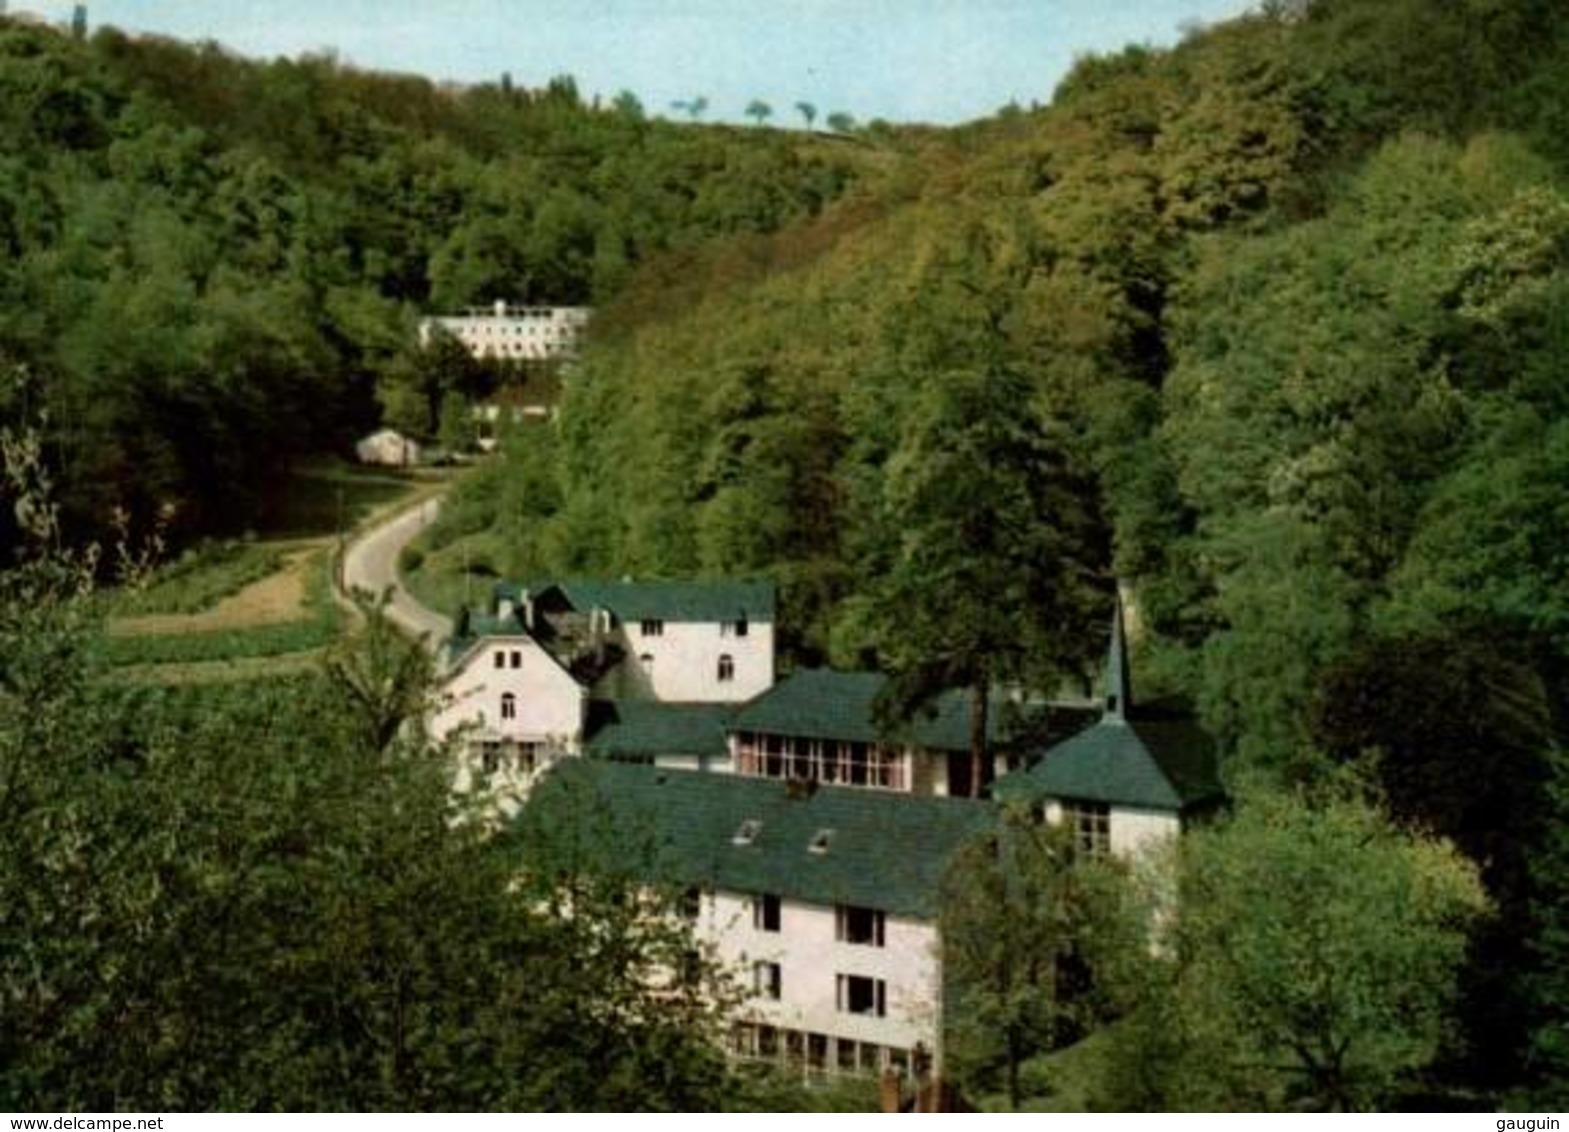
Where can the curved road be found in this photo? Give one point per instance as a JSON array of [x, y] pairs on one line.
[[370, 562]]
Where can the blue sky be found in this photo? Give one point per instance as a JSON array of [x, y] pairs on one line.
[[939, 61]]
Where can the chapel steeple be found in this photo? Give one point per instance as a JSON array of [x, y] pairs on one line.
[[1119, 688]]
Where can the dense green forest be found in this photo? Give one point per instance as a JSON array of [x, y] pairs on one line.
[[1292, 298], [208, 265], [1271, 327]]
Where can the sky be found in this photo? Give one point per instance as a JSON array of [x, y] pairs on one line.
[[939, 61]]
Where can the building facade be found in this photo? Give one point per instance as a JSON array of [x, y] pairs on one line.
[[513, 332], [820, 901], [631, 670]]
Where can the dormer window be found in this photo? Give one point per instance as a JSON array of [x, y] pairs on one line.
[[748, 831], [820, 841]]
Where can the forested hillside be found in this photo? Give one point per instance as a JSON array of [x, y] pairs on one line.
[[1293, 297], [210, 263], [1272, 328]]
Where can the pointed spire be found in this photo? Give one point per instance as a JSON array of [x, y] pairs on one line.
[[1119, 688]]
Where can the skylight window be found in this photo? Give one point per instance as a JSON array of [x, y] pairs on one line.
[[748, 831], [820, 841]]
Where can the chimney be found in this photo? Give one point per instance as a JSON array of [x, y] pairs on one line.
[[528, 611]]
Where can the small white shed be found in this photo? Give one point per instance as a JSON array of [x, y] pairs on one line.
[[389, 448]]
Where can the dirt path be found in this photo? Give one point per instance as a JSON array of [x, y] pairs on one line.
[[277, 598]]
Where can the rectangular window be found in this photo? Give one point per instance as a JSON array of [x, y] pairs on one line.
[[726, 668], [517, 658], [767, 1041], [859, 925], [765, 912], [733, 628], [501, 659], [1091, 826], [652, 627], [860, 994], [766, 980]]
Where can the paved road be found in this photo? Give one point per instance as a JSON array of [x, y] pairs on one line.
[[371, 563]]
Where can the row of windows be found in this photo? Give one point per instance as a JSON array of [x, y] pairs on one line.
[[852, 923], [513, 658], [853, 994], [503, 754], [654, 627], [724, 671], [821, 760], [818, 1052]]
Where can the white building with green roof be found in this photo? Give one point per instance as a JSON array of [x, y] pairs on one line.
[[816, 867], [1130, 780], [645, 667], [820, 900]]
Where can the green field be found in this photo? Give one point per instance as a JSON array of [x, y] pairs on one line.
[[260, 599]]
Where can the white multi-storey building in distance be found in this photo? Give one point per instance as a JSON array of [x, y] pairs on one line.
[[513, 332]]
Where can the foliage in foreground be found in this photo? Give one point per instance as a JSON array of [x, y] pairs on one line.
[[1035, 936], [1313, 963], [262, 897]]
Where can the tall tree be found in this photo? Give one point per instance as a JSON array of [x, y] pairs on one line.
[[1033, 931], [997, 574], [807, 111], [1314, 964], [759, 111]]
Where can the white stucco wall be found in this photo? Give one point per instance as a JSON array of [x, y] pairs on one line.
[[1134, 830], [811, 958], [550, 703], [685, 661]]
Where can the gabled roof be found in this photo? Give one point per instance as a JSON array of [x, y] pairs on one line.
[[643, 729], [819, 703], [716, 601], [485, 632], [884, 850]]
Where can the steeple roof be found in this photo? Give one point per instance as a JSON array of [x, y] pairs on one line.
[[1118, 701], [1134, 756]]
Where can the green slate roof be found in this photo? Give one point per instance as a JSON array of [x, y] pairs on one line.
[[1150, 758], [642, 729], [661, 601], [884, 850], [818, 703]]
